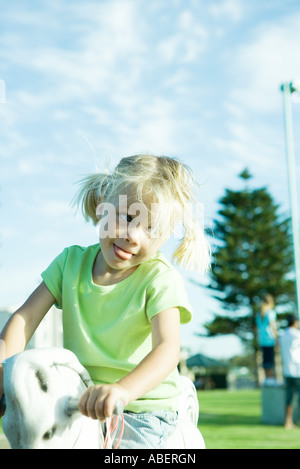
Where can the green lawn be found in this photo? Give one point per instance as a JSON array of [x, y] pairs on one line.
[[232, 420]]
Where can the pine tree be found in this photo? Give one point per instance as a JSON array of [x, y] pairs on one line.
[[252, 256]]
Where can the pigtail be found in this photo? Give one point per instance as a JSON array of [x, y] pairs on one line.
[[194, 252], [92, 189]]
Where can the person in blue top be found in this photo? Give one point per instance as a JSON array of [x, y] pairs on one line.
[[267, 334]]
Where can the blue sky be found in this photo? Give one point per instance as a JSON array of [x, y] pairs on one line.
[[89, 82]]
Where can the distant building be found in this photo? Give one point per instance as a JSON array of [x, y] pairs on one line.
[[48, 334], [209, 373]]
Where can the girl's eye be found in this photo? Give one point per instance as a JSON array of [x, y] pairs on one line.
[[126, 217]]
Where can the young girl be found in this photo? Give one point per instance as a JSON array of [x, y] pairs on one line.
[[267, 335], [122, 301]]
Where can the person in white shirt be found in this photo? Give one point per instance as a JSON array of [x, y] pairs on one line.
[[290, 352]]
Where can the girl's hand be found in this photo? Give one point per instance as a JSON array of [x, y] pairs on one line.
[[98, 402]]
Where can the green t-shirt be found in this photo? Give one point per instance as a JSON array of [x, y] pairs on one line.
[[109, 327]]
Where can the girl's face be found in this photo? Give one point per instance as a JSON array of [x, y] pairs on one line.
[[125, 232]]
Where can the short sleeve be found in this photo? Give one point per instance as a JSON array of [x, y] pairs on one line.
[[166, 291], [53, 276]]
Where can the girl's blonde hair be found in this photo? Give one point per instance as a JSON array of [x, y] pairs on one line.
[[170, 184], [268, 302]]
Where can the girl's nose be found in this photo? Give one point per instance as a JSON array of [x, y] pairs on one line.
[[133, 234]]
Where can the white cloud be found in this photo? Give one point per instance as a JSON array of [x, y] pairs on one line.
[[266, 62], [188, 42], [43, 209], [155, 127], [95, 74], [26, 167], [158, 128], [55, 208], [2, 91], [106, 74], [250, 144], [253, 134], [232, 9], [8, 233], [108, 39]]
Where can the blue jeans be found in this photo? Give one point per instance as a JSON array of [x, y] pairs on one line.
[[146, 430]]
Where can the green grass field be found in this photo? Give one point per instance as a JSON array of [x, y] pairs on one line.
[[232, 420]]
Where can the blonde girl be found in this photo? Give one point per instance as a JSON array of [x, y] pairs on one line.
[[267, 335], [122, 301]]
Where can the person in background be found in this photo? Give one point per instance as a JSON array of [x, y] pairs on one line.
[[267, 336], [290, 351]]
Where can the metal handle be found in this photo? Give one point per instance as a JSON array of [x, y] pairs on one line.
[[72, 406]]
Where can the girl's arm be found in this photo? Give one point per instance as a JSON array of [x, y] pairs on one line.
[[163, 358], [19, 329], [274, 328], [99, 401]]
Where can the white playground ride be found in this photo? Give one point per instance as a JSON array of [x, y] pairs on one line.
[[41, 386]]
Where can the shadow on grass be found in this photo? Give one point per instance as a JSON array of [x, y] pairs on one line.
[[228, 419]]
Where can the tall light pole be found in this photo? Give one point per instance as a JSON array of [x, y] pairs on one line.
[[288, 89]]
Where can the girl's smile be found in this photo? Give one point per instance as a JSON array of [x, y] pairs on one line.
[[121, 253]]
